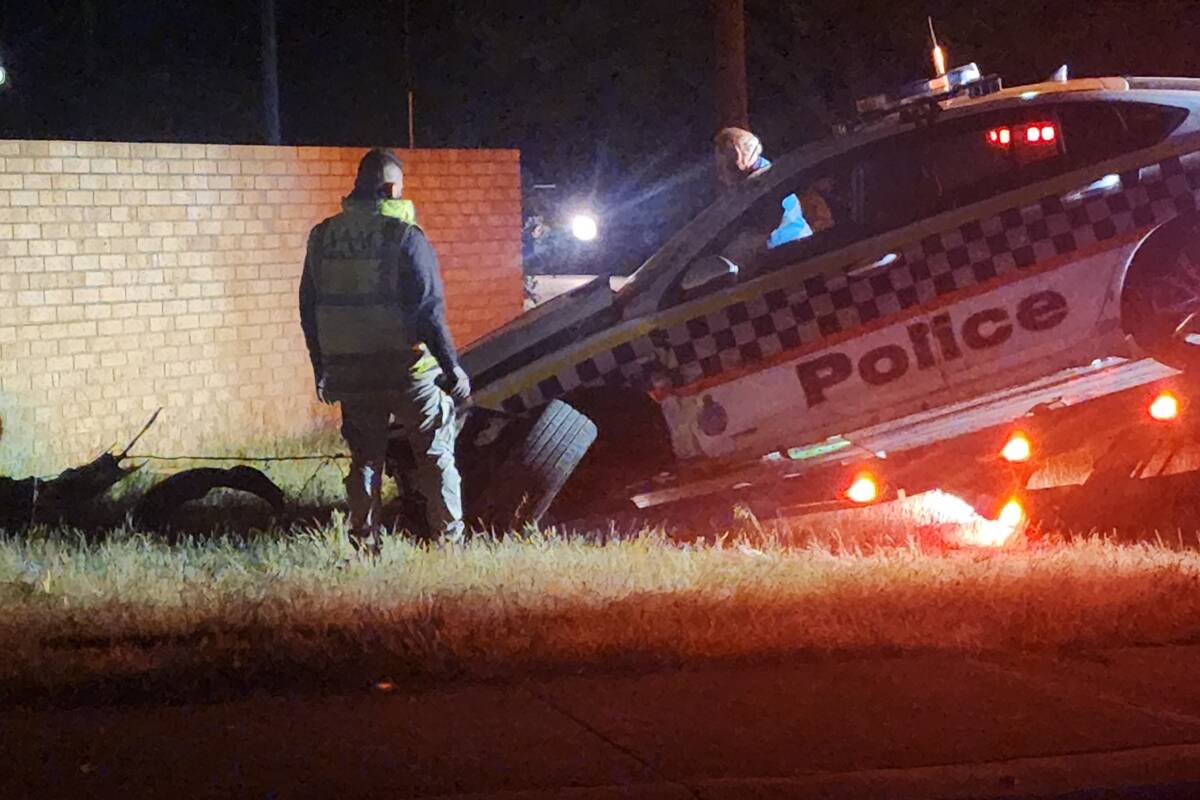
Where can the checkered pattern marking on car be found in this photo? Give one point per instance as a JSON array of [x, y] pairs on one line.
[[820, 305]]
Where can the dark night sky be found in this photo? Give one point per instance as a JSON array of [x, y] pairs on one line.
[[611, 96]]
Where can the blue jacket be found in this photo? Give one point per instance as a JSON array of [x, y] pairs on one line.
[[793, 226]]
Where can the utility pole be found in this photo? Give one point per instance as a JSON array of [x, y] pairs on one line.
[[270, 74], [730, 28], [408, 81]]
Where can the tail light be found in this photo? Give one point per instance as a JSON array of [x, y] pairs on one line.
[[1164, 407], [863, 489], [1018, 449]]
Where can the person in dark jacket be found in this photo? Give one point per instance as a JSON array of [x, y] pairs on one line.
[[374, 321]]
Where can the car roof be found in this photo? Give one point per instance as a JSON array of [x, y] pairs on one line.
[[1037, 89], [1143, 89]]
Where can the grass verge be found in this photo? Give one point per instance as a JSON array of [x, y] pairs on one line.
[[288, 607]]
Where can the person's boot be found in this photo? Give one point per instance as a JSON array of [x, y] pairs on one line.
[[367, 541], [455, 534]]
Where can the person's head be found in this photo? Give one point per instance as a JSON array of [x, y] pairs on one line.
[[380, 175], [737, 152]]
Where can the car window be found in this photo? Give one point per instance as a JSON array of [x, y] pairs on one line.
[[1098, 131], [981, 156], [919, 173], [818, 209]]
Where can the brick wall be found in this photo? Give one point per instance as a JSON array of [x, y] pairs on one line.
[[134, 276]]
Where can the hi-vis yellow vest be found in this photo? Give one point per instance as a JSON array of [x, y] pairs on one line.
[[361, 333]]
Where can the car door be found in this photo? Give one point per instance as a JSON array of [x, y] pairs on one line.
[[1038, 271], [810, 336]]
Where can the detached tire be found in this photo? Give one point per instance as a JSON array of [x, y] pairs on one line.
[[528, 480]]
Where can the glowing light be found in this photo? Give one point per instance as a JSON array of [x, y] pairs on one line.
[[3, 76], [1000, 136], [1017, 449], [939, 61], [1165, 407], [972, 529], [864, 489], [1012, 514], [1029, 95], [948, 508], [1041, 133], [584, 227]]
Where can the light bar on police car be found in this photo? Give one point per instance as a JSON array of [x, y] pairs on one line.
[[953, 80]]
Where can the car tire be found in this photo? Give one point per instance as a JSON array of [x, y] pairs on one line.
[[528, 480], [1162, 290], [632, 447]]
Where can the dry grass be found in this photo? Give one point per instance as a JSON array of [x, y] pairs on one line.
[[133, 609]]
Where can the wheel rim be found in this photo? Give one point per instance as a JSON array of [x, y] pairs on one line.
[[1166, 295]]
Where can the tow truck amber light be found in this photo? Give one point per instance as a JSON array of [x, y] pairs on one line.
[[1012, 514], [1165, 407], [1017, 449], [864, 488]]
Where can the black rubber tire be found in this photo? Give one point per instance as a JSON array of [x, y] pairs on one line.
[[1161, 289], [529, 479], [632, 447]]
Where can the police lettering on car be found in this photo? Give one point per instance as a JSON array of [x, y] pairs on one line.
[[929, 343]]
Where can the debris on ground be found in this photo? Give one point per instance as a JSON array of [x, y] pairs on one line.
[[71, 497], [66, 497], [164, 498]]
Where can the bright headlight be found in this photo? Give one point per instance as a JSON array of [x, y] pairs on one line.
[[584, 227]]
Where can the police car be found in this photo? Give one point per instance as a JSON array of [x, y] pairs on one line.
[[972, 238]]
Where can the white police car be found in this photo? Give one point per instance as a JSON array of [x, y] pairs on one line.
[[970, 239]]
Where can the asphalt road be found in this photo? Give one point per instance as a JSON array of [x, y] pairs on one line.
[[1093, 725]]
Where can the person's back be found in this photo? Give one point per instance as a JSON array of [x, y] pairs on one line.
[[362, 333], [374, 320]]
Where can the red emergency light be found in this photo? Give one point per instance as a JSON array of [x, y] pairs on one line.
[[1034, 133], [1165, 407], [863, 489]]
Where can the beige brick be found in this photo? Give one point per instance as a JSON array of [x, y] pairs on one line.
[[41, 314], [61, 148], [46, 346]]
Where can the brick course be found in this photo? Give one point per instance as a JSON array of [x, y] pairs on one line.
[[134, 275]]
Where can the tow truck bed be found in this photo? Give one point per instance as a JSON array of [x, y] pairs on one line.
[[949, 447]]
